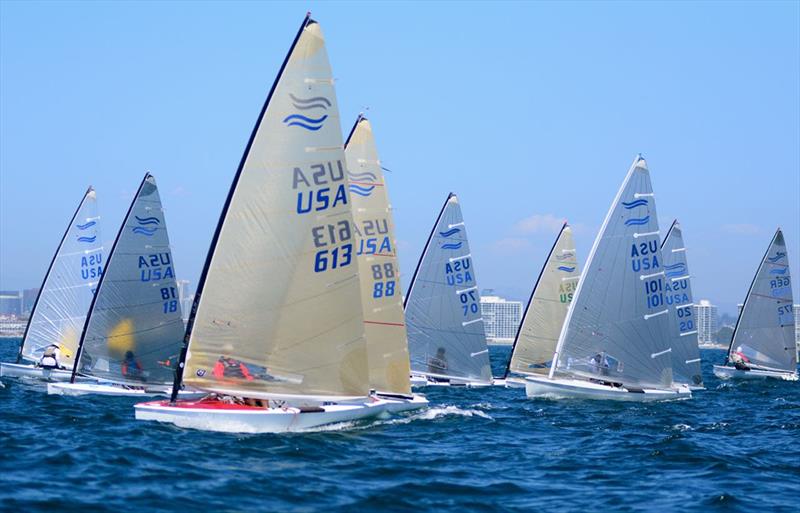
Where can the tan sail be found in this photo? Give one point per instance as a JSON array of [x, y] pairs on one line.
[[279, 310], [544, 317], [381, 296]]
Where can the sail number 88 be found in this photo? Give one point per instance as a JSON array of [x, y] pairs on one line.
[[383, 288]]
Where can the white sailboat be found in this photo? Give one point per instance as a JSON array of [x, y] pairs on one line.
[[60, 309], [615, 342], [133, 334], [678, 294], [446, 338], [379, 272], [276, 333], [537, 336], [763, 343]]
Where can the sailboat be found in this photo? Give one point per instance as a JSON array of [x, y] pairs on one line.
[[133, 334], [379, 272], [63, 301], [537, 335], [678, 294], [615, 342], [276, 333], [763, 343], [446, 337]]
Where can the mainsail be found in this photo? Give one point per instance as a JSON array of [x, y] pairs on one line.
[[60, 309], [446, 337], [278, 308], [617, 327], [678, 295], [134, 331], [379, 271], [537, 335], [764, 333]]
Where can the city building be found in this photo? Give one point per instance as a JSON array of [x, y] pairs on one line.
[[28, 299], [501, 318], [11, 303], [705, 315], [185, 298]]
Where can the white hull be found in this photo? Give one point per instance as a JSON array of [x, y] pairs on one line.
[[396, 405], [425, 381], [18, 370], [510, 382], [725, 372], [76, 389], [247, 419], [566, 388]]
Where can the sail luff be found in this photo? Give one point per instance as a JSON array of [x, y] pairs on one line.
[[89, 190], [223, 214], [76, 363]]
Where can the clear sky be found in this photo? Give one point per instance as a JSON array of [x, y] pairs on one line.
[[530, 112]]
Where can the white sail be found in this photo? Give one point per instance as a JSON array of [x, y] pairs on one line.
[[379, 271], [678, 289], [446, 337], [60, 309], [278, 309], [764, 333], [547, 308], [617, 327], [134, 330]]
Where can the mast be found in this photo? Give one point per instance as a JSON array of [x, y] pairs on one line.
[[50, 268], [215, 239], [530, 299], [100, 282]]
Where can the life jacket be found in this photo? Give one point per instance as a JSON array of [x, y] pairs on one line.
[[49, 358]]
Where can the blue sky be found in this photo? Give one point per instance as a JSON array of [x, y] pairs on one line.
[[530, 112]]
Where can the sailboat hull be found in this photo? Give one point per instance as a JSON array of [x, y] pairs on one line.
[[542, 387], [420, 380], [16, 370], [212, 415], [725, 372], [416, 402], [78, 389]]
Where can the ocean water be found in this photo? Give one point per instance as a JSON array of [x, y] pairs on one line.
[[734, 447]]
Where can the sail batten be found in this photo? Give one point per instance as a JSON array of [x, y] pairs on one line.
[[60, 309], [134, 329], [278, 310], [616, 328], [446, 335]]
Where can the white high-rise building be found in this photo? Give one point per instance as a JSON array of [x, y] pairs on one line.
[[501, 319], [185, 298], [706, 316]]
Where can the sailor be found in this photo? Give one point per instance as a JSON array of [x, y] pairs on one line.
[[131, 368], [51, 358], [230, 368], [438, 364], [739, 360]]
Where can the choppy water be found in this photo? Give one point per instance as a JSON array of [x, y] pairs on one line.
[[735, 447]]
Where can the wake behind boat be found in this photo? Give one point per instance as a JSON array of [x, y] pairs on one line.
[[277, 327], [446, 337], [379, 272], [51, 337], [763, 343], [615, 342], [133, 333]]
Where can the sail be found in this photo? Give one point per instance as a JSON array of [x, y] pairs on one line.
[[134, 331], [446, 335], [379, 271], [678, 289], [278, 308], [764, 333], [617, 327], [60, 309], [544, 316]]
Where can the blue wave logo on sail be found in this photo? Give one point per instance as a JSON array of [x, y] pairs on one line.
[[147, 225], [87, 240], [778, 256], [450, 232], [637, 221], [361, 190], [452, 245], [678, 269], [309, 123], [635, 203], [778, 271], [565, 256], [565, 268], [85, 226]]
